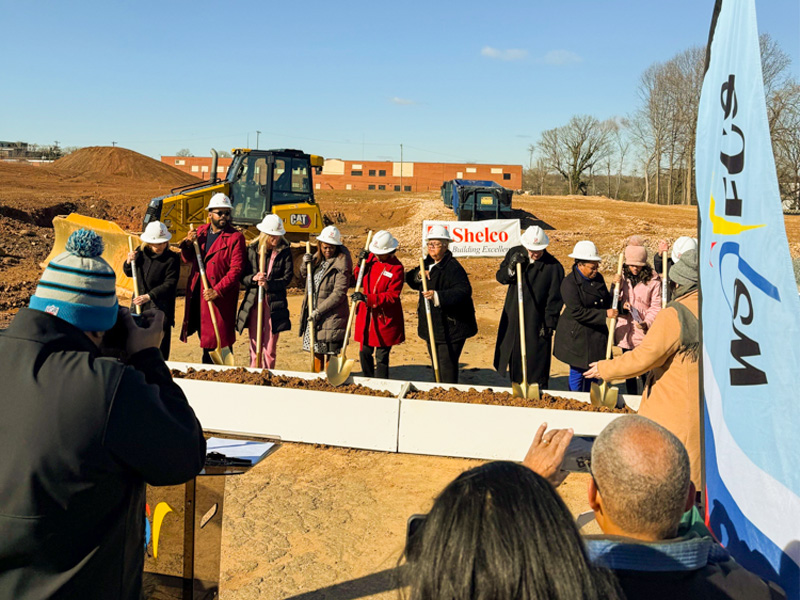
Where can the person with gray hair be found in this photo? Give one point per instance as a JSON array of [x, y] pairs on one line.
[[640, 493]]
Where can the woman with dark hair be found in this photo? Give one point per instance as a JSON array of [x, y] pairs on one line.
[[502, 531], [332, 268]]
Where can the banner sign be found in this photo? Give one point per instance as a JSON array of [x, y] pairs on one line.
[[492, 238], [750, 313]]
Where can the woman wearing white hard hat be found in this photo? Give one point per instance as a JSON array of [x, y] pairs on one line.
[[157, 272], [450, 297], [379, 316], [683, 244], [542, 275], [275, 278], [582, 333], [332, 271]]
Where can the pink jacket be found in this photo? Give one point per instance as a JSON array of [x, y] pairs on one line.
[[646, 299]]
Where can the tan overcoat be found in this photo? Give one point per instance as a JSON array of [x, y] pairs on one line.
[[671, 395]]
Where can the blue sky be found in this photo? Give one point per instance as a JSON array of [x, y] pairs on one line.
[[451, 81]]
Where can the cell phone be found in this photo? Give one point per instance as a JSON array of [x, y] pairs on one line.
[[414, 527]]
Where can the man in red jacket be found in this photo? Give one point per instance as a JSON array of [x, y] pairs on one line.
[[379, 320], [224, 254]]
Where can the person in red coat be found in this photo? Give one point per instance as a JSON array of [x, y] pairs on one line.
[[379, 320], [224, 253]]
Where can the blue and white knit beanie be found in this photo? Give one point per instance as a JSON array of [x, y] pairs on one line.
[[78, 286]]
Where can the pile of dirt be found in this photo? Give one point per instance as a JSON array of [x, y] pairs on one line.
[[121, 162], [265, 378], [472, 396]]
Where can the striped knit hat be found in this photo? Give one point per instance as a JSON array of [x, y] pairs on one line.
[[78, 286]]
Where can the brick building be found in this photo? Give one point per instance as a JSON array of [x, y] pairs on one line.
[[340, 174]]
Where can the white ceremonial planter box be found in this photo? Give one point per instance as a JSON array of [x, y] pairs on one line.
[[297, 415], [486, 431]]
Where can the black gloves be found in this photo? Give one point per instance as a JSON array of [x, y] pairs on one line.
[[517, 259], [357, 297], [362, 255]]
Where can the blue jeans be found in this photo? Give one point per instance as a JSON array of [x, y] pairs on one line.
[[577, 382]]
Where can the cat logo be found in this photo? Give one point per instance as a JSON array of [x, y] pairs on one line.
[[300, 220]]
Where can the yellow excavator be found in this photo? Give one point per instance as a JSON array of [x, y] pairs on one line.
[[258, 182]]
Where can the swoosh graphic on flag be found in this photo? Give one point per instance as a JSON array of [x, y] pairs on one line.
[[162, 508], [722, 226]]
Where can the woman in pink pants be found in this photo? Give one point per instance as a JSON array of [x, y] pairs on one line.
[[274, 279]]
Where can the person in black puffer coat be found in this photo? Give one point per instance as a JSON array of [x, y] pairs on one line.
[[450, 297], [157, 272], [277, 275]]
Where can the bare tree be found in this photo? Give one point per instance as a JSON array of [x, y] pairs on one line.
[[575, 148], [184, 152]]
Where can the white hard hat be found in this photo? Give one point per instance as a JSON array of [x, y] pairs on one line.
[[155, 233], [681, 245], [383, 242], [535, 239], [438, 232], [330, 235], [272, 225], [219, 200], [585, 250]]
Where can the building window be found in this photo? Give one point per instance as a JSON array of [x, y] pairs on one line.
[[349, 186], [372, 172], [195, 168], [371, 186], [356, 173], [382, 173], [381, 187], [406, 188], [506, 176], [472, 170], [397, 188], [220, 169], [204, 168], [178, 161]]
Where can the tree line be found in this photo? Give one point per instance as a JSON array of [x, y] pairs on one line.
[[649, 156]]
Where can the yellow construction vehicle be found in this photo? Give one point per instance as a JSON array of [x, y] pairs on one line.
[[258, 182]]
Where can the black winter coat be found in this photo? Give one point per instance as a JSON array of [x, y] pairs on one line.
[[541, 297], [279, 280], [582, 333], [81, 437], [158, 277], [454, 318]]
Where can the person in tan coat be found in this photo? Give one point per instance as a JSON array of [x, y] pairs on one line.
[[669, 354]]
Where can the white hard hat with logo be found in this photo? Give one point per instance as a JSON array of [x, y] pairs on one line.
[[155, 233], [438, 232], [681, 245], [272, 225], [585, 250], [330, 235], [535, 239], [219, 200], [383, 242]]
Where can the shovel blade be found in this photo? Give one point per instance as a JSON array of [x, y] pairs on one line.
[[603, 395], [338, 370], [222, 356], [525, 390]]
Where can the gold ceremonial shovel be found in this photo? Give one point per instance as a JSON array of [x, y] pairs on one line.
[[523, 390], [603, 395], [339, 367]]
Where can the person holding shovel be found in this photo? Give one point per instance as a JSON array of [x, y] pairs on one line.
[[224, 251], [581, 335], [541, 298], [332, 268], [273, 277], [158, 270], [449, 295], [379, 320]]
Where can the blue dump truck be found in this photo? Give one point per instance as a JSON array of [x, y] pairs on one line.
[[473, 200]]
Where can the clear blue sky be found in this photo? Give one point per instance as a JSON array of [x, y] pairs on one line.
[[452, 81]]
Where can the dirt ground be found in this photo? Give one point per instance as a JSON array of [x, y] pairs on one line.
[[308, 520]]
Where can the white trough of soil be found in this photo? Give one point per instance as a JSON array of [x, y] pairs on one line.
[[391, 424]]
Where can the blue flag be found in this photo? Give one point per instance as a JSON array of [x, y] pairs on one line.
[[750, 313]]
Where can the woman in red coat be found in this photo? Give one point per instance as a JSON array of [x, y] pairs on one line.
[[379, 320], [224, 254]]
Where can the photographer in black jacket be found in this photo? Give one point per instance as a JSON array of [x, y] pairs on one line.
[[83, 434]]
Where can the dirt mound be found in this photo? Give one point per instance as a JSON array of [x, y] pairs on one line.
[[121, 162]]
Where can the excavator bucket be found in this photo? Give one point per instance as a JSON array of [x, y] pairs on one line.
[[115, 241]]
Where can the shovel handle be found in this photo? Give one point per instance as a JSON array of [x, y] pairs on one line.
[[614, 304], [664, 280], [133, 276], [353, 304], [434, 355], [202, 268], [310, 304], [262, 259], [522, 343]]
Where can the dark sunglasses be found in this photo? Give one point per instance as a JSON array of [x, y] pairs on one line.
[[222, 213]]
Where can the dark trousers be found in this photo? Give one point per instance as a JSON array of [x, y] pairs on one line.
[[166, 342], [377, 365], [448, 354], [632, 384], [207, 355]]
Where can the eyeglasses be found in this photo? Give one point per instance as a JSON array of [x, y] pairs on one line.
[[435, 245], [222, 213]]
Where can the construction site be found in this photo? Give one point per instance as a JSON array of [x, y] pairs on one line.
[[314, 520]]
